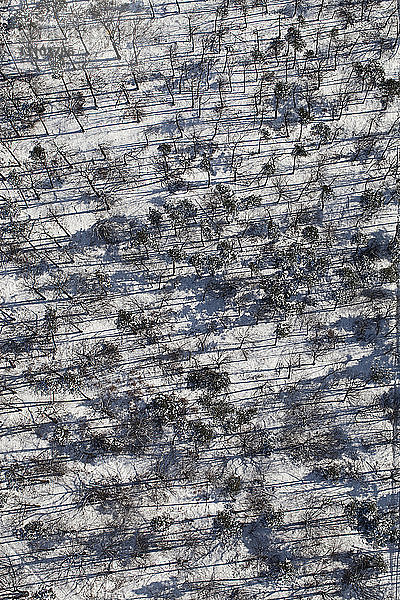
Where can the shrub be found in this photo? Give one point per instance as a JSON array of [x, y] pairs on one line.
[[128, 322], [390, 403], [371, 73], [252, 201], [120, 546], [232, 484], [389, 90], [379, 374], [389, 274], [155, 217], [371, 201], [100, 355], [294, 39], [181, 212], [140, 237], [40, 536], [310, 233], [161, 523], [271, 516], [365, 329], [219, 409], [242, 416], [337, 470], [278, 567], [364, 566], [31, 530], [202, 432], [377, 525], [209, 379], [226, 525], [168, 408], [44, 593], [259, 502], [222, 196], [256, 441]]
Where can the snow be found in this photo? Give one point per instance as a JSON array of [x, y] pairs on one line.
[[284, 305]]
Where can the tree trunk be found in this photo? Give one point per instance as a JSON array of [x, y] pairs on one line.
[[113, 44], [82, 40], [90, 87], [301, 131]]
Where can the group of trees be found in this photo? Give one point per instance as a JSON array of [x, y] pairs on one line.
[[199, 313]]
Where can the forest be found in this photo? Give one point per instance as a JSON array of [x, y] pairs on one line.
[[200, 299]]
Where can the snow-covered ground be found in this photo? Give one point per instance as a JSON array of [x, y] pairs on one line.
[[199, 300]]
